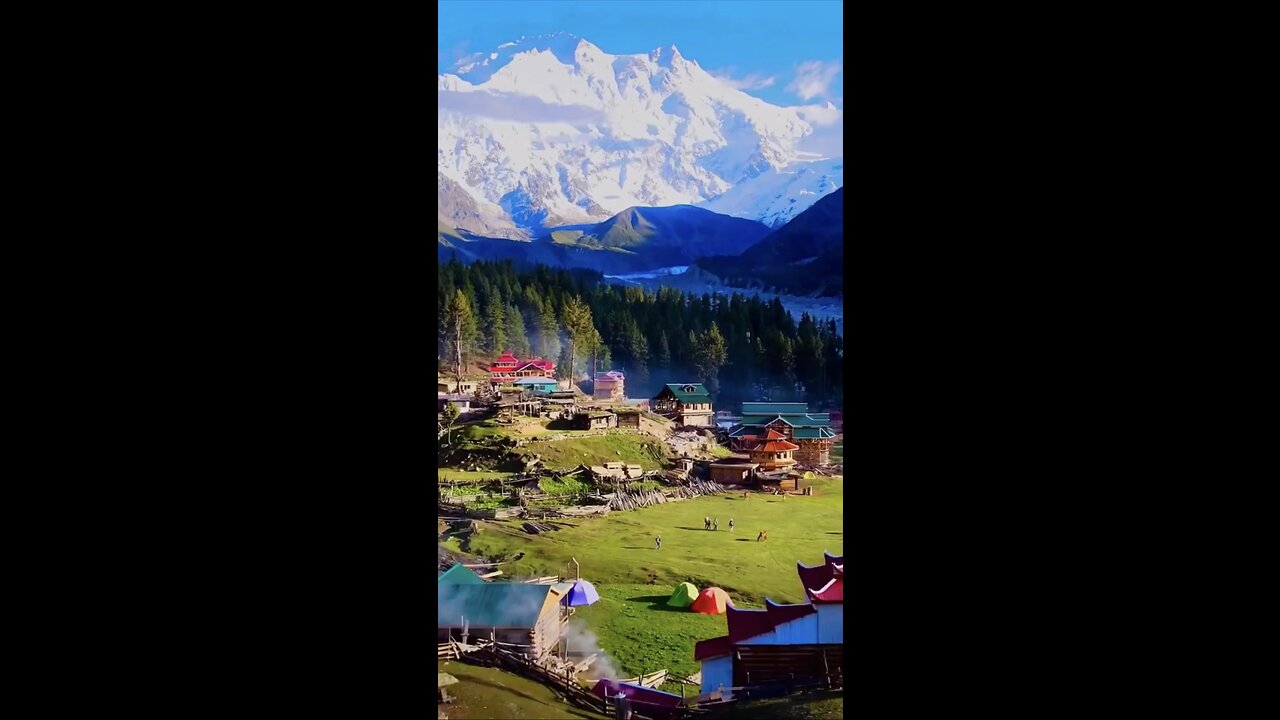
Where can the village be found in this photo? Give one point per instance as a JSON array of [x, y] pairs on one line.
[[537, 570]]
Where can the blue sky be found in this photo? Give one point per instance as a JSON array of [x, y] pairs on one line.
[[787, 52]]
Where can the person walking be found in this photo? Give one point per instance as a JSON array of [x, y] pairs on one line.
[[760, 536], [657, 542], [716, 524], [730, 524]]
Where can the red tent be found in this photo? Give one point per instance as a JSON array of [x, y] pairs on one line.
[[711, 601]]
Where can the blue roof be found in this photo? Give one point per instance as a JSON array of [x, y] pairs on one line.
[[459, 575], [761, 408], [491, 604]]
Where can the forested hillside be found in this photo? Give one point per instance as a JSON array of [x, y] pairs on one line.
[[742, 347]]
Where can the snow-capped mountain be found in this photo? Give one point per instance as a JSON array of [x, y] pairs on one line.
[[551, 130]]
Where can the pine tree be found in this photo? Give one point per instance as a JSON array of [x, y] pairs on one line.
[[460, 328], [710, 356], [548, 333], [577, 324], [662, 356], [495, 328], [517, 339]]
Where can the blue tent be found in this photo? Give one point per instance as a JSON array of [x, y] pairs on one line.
[[583, 593]]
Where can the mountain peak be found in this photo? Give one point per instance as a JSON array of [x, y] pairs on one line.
[[587, 133]]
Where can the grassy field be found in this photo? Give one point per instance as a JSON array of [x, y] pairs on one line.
[[617, 554], [641, 633], [643, 450], [492, 693]]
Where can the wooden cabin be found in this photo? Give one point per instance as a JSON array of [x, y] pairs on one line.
[[685, 403], [595, 420], [508, 368], [732, 472], [609, 386], [629, 420], [772, 451], [463, 402], [528, 616]]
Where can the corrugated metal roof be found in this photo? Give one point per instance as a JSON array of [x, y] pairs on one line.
[[760, 408], [490, 604], [698, 394], [459, 575], [814, 433]]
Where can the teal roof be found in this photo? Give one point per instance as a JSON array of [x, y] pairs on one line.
[[698, 395], [510, 605], [459, 575], [536, 381], [814, 433], [759, 408], [799, 420]]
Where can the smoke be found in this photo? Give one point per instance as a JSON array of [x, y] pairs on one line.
[[579, 641]]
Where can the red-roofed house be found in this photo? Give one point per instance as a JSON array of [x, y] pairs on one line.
[[508, 368], [773, 451], [781, 642], [609, 386]]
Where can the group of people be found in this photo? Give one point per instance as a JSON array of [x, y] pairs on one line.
[[708, 524], [712, 524]]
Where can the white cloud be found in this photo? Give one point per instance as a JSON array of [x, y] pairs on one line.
[[821, 115], [754, 81], [814, 78], [508, 106]]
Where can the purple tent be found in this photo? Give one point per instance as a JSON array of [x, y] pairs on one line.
[[582, 593]]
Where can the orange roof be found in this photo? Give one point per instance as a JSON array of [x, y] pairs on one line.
[[774, 435], [777, 446]]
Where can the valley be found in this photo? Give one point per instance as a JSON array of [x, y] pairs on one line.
[[639, 326]]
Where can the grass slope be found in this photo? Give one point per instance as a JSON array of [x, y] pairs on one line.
[[617, 554], [643, 450], [492, 693]]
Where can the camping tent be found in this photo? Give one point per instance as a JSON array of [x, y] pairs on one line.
[[711, 601], [684, 595], [583, 593]]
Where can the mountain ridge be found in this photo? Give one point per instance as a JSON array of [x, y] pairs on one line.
[[550, 131]]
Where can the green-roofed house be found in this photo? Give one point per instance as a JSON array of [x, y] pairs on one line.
[[685, 403], [530, 617], [459, 575], [811, 432]]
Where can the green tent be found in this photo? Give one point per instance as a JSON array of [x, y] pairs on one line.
[[684, 595]]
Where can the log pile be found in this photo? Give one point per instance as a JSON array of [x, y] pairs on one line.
[[534, 528]]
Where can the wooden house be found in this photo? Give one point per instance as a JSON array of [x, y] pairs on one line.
[[782, 643], [508, 368], [449, 385], [594, 420], [810, 432], [528, 616], [733, 472], [609, 386], [629, 420], [538, 384], [463, 402], [685, 403], [772, 451]]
